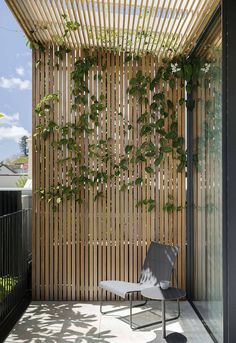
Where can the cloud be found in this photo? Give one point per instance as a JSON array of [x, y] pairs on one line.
[[10, 120], [13, 132], [20, 71], [14, 83], [23, 54]]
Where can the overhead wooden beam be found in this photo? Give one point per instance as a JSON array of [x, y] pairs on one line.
[[163, 28]]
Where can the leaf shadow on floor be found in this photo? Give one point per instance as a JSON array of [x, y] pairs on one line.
[[64, 324]]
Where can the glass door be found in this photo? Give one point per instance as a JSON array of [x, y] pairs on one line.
[[207, 184]]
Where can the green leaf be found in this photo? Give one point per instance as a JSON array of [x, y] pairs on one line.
[[160, 123], [188, 71], [159, 96], [152, 84], [172, 83], [138, 181], [146, 129], [98, 195], [181, 101], [128, 58], [128, 148], [174, 126], [169, 207], [166, 149], [163, 141], [131, 91], [169, 103], [180, 167], [123, 164], [171, 135], [153, 106], [149, 170], [189, 87], [180, 141], [152, 205], [139, 157], [158, 160]]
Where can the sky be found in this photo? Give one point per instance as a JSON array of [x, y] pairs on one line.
[[15, 85]]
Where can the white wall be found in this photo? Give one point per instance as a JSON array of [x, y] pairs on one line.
[[9, 181]]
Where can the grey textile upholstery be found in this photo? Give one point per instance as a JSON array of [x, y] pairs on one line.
[[122, 288], [158, 265]]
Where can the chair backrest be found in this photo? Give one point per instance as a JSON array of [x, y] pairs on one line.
[[159, 263]]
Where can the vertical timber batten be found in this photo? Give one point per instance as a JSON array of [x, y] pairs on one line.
[[87, 242]]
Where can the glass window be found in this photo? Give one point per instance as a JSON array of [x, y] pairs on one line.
[[207, 185]]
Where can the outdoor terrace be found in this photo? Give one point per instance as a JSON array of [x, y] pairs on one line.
[[126, 151]]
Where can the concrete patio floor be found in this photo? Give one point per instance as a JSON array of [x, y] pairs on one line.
[[60, 322]]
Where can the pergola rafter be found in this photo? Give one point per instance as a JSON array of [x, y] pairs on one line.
[[161, 27]]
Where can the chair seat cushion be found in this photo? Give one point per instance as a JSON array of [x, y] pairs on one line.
[[121, 288]]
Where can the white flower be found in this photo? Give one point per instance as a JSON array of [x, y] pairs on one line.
[[174, 68], [206, 68]]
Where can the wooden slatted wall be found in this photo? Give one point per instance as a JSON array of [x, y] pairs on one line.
[[80, 244]]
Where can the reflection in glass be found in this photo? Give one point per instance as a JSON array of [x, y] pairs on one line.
[[207, 186]]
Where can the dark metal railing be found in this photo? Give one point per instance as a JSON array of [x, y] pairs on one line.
[[15, 259]]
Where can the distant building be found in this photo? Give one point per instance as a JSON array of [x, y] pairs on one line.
[[9, 177], [6, 170]]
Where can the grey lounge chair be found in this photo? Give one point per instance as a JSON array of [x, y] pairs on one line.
[[158, 265]]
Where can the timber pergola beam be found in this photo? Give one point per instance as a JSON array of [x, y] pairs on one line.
[[161, 27]]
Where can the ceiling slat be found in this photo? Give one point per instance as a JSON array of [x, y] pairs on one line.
[[161, 27]]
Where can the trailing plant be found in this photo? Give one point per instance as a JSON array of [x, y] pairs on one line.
[[44, 105], [170, 206], [157, 118], [209, 138], [69, 26]]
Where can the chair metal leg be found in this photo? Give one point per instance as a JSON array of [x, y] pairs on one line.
[[163, 318], [131, 313], [101, 303], [119, 309], [159, 321]]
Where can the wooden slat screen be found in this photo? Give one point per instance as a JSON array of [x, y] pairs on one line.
[[80, 244], [162, 27]]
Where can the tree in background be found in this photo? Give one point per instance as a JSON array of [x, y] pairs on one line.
[[21, 181], [23, 144]]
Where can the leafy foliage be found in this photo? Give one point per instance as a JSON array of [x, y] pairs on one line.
[[7, 284], [158, 117], [45, 104], [170, 206]]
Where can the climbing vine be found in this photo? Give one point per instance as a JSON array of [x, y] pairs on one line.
[[159, 118]]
